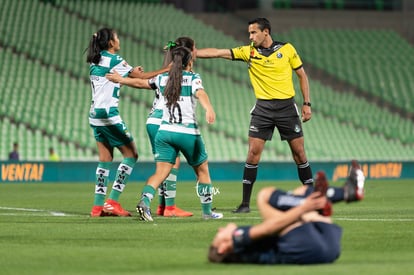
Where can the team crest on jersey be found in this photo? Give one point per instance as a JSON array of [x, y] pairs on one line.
[[279, 55], [297, 128]]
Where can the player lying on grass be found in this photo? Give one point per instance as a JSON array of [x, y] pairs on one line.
[[296, 228]]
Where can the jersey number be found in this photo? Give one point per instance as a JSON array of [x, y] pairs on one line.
[[176, 115]]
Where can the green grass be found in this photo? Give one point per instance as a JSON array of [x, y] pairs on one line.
[[45, 229]]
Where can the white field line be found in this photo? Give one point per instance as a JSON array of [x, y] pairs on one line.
[[42, 212], [32, 212], [374, 219]]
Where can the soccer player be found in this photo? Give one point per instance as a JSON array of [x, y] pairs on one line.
[[108, 127], [292, 231], [168, 189], [270, 66], [181, 89]]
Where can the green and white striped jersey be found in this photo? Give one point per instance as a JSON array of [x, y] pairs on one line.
[[155, 115], [182, 117], [105, 94]]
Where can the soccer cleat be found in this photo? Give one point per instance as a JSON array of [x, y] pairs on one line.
[[213, 216], [354, 185], [242, 209], [321, 185], [144, 212], [160, 210], [114, 208], [97, 211], [326, 210], [174, 211]]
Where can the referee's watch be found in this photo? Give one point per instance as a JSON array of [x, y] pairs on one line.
[[307, 104]]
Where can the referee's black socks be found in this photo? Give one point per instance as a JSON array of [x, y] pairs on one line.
[[249, 177], [305, 173]]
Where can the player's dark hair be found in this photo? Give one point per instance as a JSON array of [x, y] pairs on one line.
[[262, 22], [182, 41], [181, 57], [99, 42]]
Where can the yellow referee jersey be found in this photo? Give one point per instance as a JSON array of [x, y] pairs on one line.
[[270, 70]]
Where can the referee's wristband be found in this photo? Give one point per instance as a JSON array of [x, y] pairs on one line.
[[241, 238], [307, 103]]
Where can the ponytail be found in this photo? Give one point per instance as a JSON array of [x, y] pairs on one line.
[[99, 42], [182, 41], [181, 57]]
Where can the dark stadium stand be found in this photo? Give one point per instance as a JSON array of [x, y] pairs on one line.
[[45, 96]]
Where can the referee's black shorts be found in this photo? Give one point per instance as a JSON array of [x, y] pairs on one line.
[[280, 113]]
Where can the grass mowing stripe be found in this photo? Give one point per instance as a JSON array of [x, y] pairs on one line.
[[60, 214], [378, 236]]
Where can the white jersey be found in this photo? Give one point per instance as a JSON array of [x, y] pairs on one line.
[[105, 94], [182, 117], [155, 115]]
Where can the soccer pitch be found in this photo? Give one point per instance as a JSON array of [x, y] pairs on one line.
[[45, 229]]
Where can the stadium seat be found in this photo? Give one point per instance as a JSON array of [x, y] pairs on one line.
[[51, 77]]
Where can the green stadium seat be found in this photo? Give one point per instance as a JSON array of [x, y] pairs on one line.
[[341, 118]]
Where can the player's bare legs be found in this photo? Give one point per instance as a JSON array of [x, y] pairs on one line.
[[105, 151], [129, 150], [256, 146], [161, 172]]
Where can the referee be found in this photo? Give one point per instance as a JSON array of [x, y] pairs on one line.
[[270, 65]]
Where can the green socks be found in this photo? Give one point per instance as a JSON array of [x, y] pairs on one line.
[[147, 194], [204, 191], [101, 183], [121, 178], [161, 192], [171, 188]]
